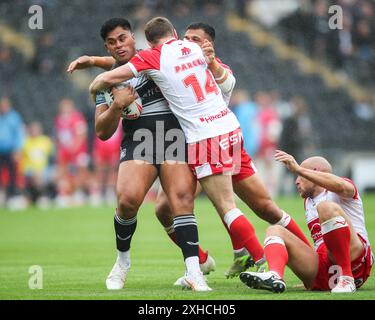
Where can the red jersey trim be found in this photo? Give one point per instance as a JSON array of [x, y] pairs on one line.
[[170, 41], [146, 60]]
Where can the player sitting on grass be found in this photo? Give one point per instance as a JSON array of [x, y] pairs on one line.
[[335, 217]]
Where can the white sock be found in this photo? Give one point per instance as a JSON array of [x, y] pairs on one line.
[[123, 258], [232, 215], [192, 265]]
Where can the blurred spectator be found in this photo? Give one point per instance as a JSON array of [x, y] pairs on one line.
[[297, 136], [340, 45], [36, 165], [246, 112], [270, 129], [363, 109], [72, 155], [310, 28], [106, 155], [297, 139], [282, 107], [44, 61], [320, 28], [364, 40], [241, 7], [6, 66], [11, 142]]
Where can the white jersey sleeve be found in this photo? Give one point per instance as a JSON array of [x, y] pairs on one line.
[[227, 86]]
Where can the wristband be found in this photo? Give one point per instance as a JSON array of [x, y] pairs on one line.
[[222, 76]]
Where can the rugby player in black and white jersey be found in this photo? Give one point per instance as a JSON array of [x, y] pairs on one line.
[[135, 178]]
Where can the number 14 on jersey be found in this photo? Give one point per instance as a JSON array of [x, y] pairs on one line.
[[200, 93]]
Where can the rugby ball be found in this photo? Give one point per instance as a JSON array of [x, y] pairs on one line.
[[131, 112]]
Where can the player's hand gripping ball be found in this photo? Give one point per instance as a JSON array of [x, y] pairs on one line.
[[130, 112]]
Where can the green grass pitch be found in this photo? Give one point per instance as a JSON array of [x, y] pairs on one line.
[[76, 250]]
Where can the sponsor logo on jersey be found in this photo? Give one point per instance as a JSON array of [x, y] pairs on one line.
[[185, 51], [219, 115], [149, 92]]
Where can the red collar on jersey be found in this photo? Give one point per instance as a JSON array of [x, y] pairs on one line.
[[170, 41]]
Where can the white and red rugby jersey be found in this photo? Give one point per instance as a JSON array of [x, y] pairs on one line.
[[179, 69], [353, 207]]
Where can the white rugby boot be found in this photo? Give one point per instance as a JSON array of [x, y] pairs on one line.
[[196, 281], [208, 266], [117, 277], [180, 282], [345, 284]]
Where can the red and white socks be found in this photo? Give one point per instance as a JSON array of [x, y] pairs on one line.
[[336, 236], [288, 223], [276, 255], [243, 234]]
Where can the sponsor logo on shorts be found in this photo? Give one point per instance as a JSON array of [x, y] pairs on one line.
[[343, 223]]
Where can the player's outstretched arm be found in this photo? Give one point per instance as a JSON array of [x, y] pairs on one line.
[[110, 78], [326, 180], [85, 62]]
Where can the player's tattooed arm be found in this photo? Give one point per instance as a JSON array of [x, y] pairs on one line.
[[85, 62], [327, 180], [110, 78]]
